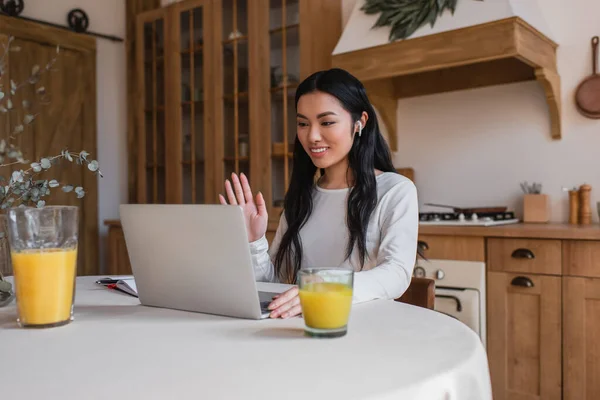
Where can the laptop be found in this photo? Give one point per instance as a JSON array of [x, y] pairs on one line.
[[194, 257]]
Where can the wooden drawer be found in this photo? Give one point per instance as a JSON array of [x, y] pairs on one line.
[[538, 256], [463, 248], [581, 258]]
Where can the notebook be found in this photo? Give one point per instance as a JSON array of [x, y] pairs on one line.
[[124, 284]]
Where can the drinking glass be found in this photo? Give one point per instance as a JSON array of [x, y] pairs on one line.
[[326, 300], [43, 247]]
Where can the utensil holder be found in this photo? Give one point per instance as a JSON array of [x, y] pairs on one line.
[[536, 208]]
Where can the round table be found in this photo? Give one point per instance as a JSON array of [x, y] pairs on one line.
[[117, 347]]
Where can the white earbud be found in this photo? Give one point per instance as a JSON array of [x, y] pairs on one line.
[[359, 128]]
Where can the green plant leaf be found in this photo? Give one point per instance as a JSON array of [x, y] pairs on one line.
[[5, 286], [93, 165], [41, 204], [17, 176], [36, 167], [28, 119], [45, 163], [53, 183], [1, 95], [68, 157], [67, 188]]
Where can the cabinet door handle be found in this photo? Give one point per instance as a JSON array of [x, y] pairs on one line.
[[522, 281], [421, 247], [523, 253]]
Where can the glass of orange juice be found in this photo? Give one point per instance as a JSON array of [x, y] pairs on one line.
[[326, 300], [43, 247]]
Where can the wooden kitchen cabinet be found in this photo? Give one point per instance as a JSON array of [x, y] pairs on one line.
[[524, 336], [461, 248], [581, 348]]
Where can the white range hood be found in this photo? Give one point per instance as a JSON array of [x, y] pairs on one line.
[[483, 43]]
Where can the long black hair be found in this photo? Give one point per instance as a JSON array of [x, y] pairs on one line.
[[369, 152]]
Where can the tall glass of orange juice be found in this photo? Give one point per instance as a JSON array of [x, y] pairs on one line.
[[326, 300], [43, 247]]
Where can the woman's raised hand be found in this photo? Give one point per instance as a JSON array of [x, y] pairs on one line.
[[255, 211]]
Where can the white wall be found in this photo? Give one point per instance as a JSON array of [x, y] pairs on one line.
[[108, 17], [472, 148]]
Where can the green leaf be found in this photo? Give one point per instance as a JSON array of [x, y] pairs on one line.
[[5, 286], [28, 119], [53, 183], [18, 129], [36, 167], [3, 109], [9, 104], [45, 163], [41, 204], [67, 188], [17, 176], [1, 95], [93, 165], [68, 157]]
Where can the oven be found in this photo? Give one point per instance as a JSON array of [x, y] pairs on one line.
[[459, 290]]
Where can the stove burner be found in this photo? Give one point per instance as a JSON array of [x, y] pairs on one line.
[[450, 216]]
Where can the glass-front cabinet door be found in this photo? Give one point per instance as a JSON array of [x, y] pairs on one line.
[[232, 142], [284, 58], [151, 104], [191, 127]]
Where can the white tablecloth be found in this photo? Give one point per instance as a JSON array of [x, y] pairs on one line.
[[116, 347]]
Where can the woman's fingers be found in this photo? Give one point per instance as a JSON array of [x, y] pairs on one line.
[[222, 200], [229, 191], [285, 309], [284, 303], [292, 312], [246, 187], [237, 188], [284, 298]]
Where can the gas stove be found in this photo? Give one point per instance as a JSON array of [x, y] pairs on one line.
[[467, 219]]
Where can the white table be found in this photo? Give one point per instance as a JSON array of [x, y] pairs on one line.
[[116, 347]]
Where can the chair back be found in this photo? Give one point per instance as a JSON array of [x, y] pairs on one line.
[[420, 293]]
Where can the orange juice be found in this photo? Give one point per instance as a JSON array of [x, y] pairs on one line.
[[326, 305], [44, 285]]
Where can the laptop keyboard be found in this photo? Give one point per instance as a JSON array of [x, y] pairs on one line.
[[264, 306]]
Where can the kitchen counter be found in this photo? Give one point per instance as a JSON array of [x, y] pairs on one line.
[[520, 230]]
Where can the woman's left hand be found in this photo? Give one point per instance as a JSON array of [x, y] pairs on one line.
[[286, 305]]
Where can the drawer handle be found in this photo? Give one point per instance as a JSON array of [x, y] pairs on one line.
[[523, 253], [421, 247], [522, 281]]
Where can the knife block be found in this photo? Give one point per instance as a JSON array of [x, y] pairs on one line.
[[536, 208]]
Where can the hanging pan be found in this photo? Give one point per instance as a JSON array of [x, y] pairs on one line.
[[587, 96]]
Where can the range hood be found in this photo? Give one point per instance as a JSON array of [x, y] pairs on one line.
[[484, 43]]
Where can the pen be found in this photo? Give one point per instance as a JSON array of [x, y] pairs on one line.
[[107, 281]]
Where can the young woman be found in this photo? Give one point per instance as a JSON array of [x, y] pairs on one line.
[[360, 213]]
